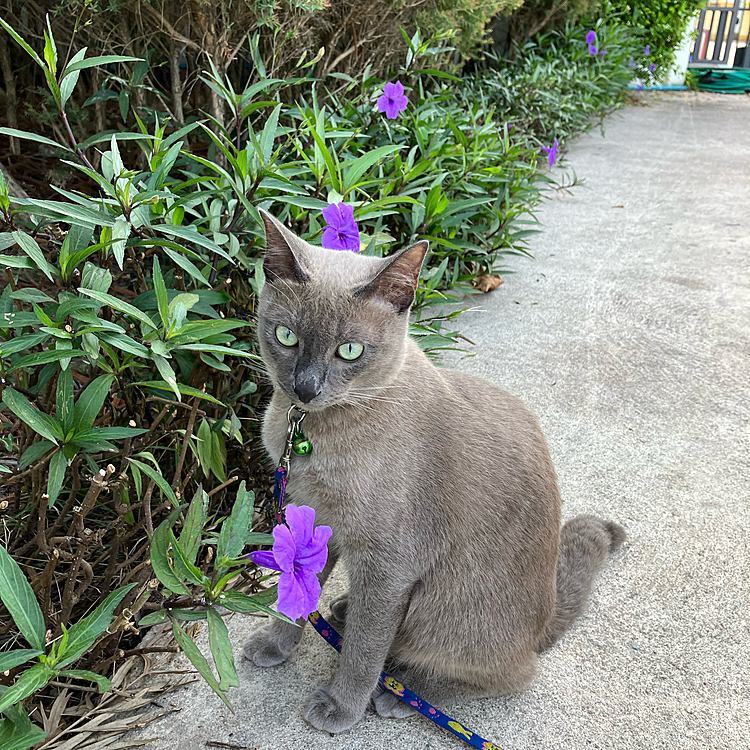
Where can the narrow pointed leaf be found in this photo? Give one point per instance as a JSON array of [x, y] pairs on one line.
[[190, 536], [85, 632], [198, 661], [160, 561], [22, 408], [12, 659], [90, 402], [57, 466], [28, 682], [102, 682], [221, 650]]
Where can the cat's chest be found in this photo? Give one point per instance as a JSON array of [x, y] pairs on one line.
[[330, 478]]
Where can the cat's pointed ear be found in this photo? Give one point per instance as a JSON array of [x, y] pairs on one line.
[[397, 281], [281, 260]]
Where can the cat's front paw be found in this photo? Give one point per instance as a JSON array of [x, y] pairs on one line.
[[271, 644], [328, 714]]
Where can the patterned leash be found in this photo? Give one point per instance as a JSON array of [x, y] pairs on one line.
[[297, 443]]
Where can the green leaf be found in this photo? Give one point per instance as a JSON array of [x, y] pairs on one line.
[[16, 730], [32, 453], [20, 601], [158, 478], [198, 661], [22, 42], [31, 295], [162, 299], [234, 530], [166, 372], [85, 632], [102, 682], [160, 560], [124, 343], [185, 390], [64, 400], [190, 536], [68, 82], [153, 619], [20, 343], [90, 402], [45, 357], [106, 433], [186, 265], [14, 261], [12, 659], [57, 466], [183, 567], [120, 306], [30, 247], [357, 167], [28, 682], [221, 650], [204, 446], [92, 62], [37, 420]]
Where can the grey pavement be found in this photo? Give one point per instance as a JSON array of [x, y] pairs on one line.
[[629, 336]]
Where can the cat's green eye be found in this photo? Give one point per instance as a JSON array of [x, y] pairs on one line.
[[286, 336], [350, 351]]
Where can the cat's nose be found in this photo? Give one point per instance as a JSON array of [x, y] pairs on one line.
[[307, 389]]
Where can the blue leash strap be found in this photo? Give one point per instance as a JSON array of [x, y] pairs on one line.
[[411, 699]]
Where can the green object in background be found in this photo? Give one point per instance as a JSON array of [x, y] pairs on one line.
[[723, 80]]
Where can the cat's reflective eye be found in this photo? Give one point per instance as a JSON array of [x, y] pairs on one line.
[[286, 336], [350, 351]]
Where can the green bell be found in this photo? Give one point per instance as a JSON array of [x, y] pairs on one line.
[[301, 445]]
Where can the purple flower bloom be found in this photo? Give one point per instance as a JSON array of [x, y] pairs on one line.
[[342, 232], [652, 67], [299, 552], [591, 37], [631, 64], [640, 88], [552, 151], [604, 52], [393, 100], [648, 49], [593, 50]]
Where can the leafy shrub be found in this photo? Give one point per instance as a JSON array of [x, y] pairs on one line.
[[663, 24], [129, 369], [555, 87]]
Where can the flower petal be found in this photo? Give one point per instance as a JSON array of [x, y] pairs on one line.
[[315, 555], [398, 89], [331, 239], [265, 559], [284, 549], [332, 214], [300, 519], [311, 587], [292, 596]]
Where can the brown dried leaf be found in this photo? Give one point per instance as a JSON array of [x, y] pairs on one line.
[[487, 282]]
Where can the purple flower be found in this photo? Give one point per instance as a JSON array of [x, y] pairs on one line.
[[552, 151], [652, 67], [640, 88], [342, 232], [593, 50], [604, 52], [299, 552], [393, 100], [648, 49], [631, 64], [591, 37]]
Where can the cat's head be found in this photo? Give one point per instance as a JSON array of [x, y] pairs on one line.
[[333, 325]]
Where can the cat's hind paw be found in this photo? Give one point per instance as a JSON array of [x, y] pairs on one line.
[[389, 706], [328, 714], [271, 645]]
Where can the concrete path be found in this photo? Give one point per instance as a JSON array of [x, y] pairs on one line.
[[629, 336]]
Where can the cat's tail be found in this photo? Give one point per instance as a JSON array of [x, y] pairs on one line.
[[584, 543]]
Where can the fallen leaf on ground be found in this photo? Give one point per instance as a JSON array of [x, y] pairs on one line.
[[487, 282]]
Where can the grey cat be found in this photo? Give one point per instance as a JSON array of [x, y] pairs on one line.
[[438, 486]]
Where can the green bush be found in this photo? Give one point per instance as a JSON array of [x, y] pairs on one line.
[[663, 24], [555, 88]]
